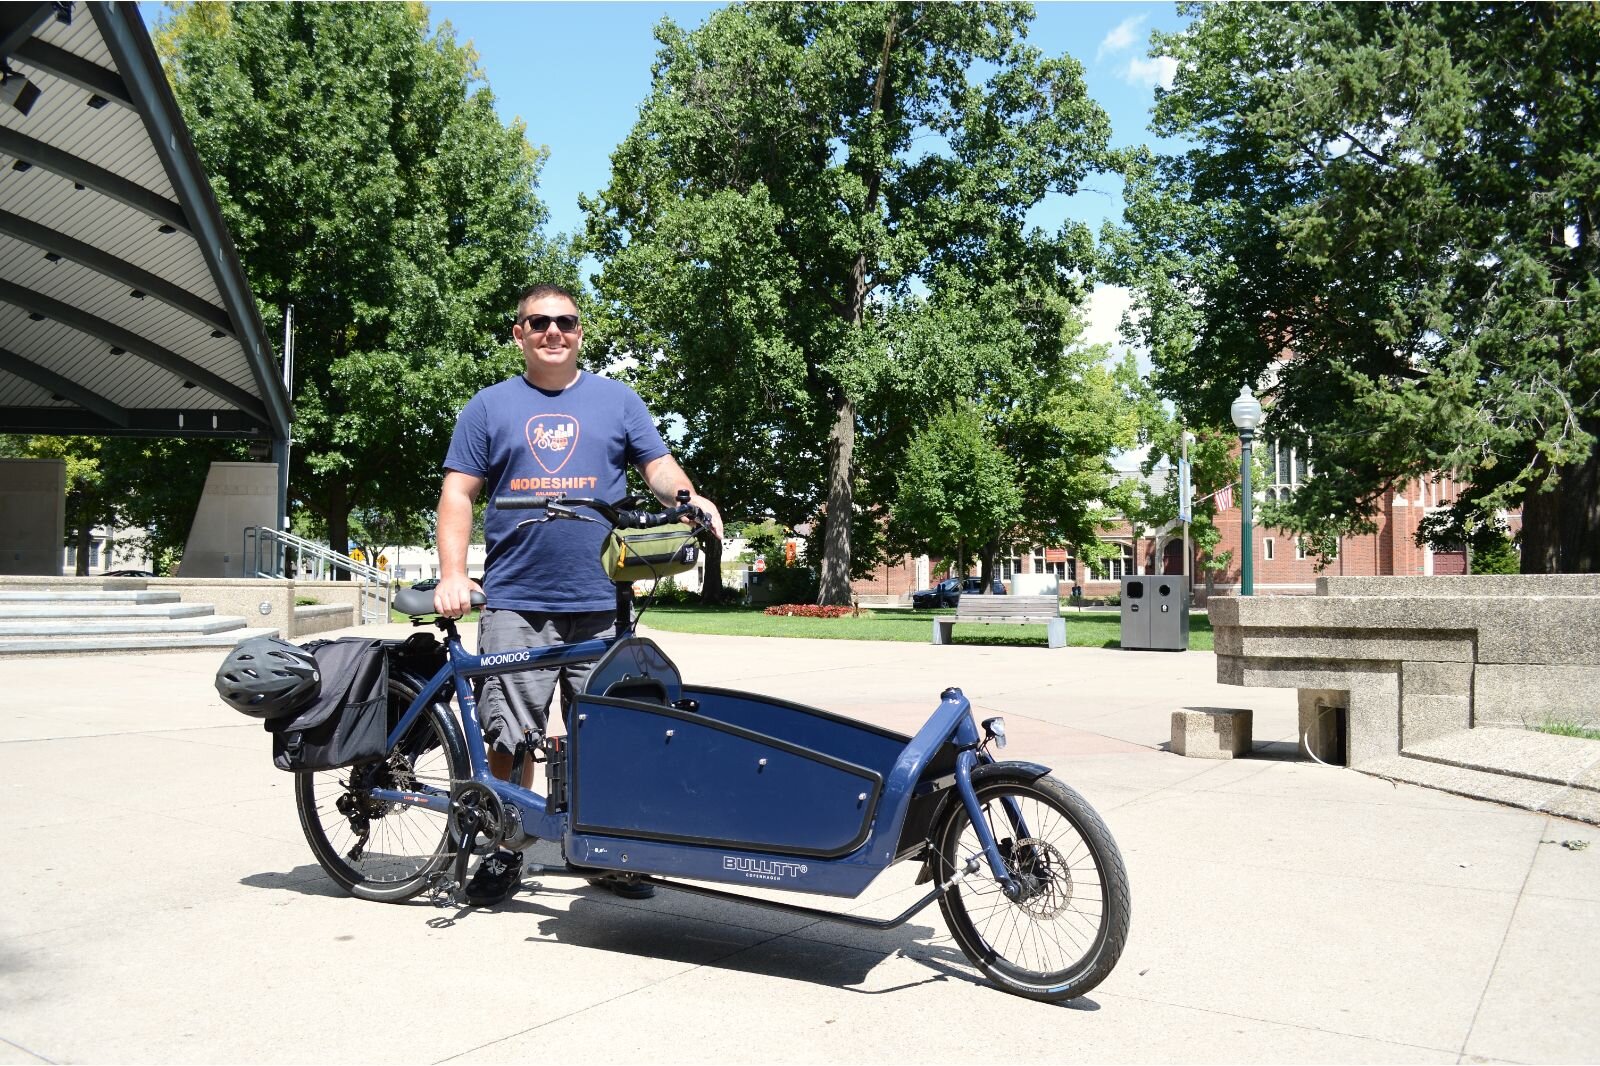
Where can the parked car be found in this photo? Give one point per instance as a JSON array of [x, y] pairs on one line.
[[127, 573], [947, 593]]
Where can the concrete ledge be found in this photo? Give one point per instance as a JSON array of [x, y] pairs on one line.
[[1211, 732], [321, 617]]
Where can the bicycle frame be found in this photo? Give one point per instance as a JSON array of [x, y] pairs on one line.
[[951, 722]]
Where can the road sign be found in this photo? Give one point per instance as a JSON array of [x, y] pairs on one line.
[[761, 564]]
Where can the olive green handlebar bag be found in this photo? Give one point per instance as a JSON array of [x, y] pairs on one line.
[[642, 554]]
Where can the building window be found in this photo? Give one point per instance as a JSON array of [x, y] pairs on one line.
[[1266, 548], [1299, 547], [1117, 566], [1010, 567], [1287, 469]]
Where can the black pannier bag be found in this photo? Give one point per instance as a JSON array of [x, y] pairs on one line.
[[348, 723]]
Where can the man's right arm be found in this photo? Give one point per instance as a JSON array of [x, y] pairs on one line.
[[451, 597]]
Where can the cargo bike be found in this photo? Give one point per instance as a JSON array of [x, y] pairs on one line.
[[662, 781]]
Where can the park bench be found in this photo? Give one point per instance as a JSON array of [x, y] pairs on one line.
[[1005, 610]]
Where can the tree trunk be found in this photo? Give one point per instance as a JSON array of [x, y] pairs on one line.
[[1559, 526], [339, 525], [711, 589], [84, 543], [835, 585]]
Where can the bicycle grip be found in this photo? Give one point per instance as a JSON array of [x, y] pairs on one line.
[[521, 503]]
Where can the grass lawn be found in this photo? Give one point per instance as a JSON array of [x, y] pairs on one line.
[[1090, 629]]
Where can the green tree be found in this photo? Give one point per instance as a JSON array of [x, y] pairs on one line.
[[957, 489], [1390, 221], [1020, 453], [367, 182], [800, 168]]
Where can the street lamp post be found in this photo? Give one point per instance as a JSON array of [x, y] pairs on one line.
[[1246, 413]]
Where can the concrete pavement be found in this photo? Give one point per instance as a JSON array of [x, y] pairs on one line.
[[163, 906]]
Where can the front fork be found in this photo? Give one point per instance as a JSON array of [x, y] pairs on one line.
[[968, 757]]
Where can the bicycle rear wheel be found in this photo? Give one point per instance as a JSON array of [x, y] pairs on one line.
[[386, 851], [1066, 932]]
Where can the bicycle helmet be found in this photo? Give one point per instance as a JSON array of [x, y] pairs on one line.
[[265, 677]]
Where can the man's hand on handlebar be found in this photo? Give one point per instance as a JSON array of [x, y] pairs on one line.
[[452, 597], [713, 516]]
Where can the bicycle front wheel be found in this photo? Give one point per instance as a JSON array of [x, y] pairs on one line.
[[378, 850], [1066, 930]]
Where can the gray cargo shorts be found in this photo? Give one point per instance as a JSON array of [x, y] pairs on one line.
[[509, 704]]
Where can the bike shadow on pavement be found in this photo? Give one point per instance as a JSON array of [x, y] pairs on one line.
[[573, 914], [307, 880], [588, 918]]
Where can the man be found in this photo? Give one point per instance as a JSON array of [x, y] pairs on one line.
[[552, 431]]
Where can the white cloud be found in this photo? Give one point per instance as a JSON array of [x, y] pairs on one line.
[[1121, 36], [1159, 70]]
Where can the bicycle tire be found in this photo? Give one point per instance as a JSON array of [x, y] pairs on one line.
[[1081, 908], [404, 845]]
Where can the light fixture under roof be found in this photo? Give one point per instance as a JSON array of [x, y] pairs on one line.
[[52, 257], [34, 316], [97, 101], [137, 294], [166, 227], [17, 90], [119, 351], [22, 166]]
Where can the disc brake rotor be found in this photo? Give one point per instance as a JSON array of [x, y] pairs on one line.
[[1046, 878]]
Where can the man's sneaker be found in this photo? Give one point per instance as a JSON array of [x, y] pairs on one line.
[[622, 887], [496, 878]]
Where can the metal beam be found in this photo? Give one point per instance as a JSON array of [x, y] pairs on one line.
[[148, 350], [117, 269], [43, 55], [97, 178], [18, 22], [142, 422], [66, 388], [128, 42]]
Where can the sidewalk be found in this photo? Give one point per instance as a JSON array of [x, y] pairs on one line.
[[1282, 911]]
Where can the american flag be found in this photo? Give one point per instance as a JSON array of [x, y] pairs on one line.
[[1224, 497]]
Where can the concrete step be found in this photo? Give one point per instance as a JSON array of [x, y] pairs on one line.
[[134, 597], [67, 611], [1523, 753], [31, 629], [1533, 771], [153, 642]]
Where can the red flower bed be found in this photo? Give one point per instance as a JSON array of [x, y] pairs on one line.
[[809, 610]]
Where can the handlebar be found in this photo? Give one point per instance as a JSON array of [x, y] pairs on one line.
[[614, 513]]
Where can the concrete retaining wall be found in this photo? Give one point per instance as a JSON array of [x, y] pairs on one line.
[[1416, 658]]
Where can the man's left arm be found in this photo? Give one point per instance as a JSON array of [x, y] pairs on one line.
[[665, 478]]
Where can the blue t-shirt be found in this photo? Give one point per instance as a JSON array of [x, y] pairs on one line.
[[579, 441]]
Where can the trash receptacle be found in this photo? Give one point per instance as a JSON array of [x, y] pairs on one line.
[[1136, 612], [1169, 612]]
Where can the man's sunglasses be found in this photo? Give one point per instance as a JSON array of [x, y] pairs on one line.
[[540, 323]]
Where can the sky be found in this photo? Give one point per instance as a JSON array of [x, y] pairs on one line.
[[576, 73]]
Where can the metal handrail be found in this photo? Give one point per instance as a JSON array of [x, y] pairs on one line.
[[266, 551]]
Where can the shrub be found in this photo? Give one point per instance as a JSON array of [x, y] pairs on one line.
[[668, 593], [1496, 555]]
